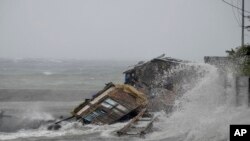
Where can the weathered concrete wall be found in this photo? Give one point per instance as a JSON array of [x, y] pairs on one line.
[[242, 90], [241, 83]]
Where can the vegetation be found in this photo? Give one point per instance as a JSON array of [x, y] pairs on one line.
[[241, 55]]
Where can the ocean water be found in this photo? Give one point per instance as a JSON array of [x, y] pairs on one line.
[[35, 91]]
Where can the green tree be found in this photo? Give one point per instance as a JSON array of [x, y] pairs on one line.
[[241, 55]]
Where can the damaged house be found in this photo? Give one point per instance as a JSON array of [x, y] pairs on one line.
[[163, 80], [148, 87]]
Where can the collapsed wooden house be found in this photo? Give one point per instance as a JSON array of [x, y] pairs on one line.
[[113, 103]]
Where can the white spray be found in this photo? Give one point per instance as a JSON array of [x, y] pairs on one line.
[[204, 113]]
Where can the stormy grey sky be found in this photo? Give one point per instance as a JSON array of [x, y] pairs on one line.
[[117, 29]]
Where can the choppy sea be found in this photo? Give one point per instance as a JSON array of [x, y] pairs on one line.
[[34, 91]]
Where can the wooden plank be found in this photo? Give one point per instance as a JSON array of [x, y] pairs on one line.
[[98, 98], [150, 124], [126, 127]]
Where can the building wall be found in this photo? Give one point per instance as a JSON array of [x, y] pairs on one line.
[[241, 84]]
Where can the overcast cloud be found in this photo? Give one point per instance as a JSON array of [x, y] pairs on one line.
[[117, 29]]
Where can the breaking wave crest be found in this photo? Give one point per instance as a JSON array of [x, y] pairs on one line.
[[203, 113]]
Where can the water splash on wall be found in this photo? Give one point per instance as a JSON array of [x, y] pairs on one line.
[[203, 112]]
